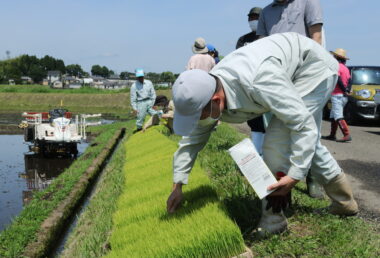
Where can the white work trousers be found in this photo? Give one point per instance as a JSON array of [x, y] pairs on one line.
[[323, 166], [338, 102], [144, 107]]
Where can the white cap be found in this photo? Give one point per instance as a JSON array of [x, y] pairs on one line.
[[192, 91]]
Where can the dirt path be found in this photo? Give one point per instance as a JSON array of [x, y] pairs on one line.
[[360, 159]]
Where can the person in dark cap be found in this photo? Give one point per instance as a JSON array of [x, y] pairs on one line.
[[253, 19], [305, 18], [256, 124]]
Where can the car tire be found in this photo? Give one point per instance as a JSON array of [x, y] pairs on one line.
[[349, 114]]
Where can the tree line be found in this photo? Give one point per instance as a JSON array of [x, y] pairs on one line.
[[37, 69]]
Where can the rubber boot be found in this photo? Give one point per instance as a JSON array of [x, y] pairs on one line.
[[346, 132], [334, 127], [270, 222], [340, 193], [258, 140], [314, 189]]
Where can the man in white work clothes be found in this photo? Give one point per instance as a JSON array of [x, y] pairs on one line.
[[286, 74]]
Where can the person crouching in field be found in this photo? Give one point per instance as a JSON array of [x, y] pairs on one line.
[[166, 109]]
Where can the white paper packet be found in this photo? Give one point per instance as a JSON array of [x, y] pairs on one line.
[[253, 167]]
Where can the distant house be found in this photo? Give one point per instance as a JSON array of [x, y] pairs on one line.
[[26, 80], [162, 84], [114, 77], [109, 84], [53, 76], [71, 82], [88, 81], [57, 85]]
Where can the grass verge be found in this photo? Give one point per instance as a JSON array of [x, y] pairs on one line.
[[142, 227], [104, 102], [24, 228], [36, 88], [90, 237], [309, 235]]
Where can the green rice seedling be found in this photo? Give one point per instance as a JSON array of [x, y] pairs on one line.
[[143, 228], [90, 237]]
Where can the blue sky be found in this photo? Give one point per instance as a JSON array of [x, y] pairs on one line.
[[157, 35]]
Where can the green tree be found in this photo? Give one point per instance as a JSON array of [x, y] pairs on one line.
[[167, 77], [52, 64], [96, 70], [9, 70], [75, 70], [106, 72], [154, 77], [31, 66], [100, 71]]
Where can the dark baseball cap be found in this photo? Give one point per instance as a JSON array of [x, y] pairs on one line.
[[255, 10]]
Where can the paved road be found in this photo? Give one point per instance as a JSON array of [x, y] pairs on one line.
[[360, 159]]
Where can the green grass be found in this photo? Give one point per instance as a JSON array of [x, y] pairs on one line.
[[142, 227], [102, 102], [36, 88], [23, 229], [91, 235], [310, 235]]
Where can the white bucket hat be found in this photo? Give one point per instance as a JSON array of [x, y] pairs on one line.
[[191, 92], [199, 46]]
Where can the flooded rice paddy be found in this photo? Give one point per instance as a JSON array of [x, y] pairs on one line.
[[23, 172]]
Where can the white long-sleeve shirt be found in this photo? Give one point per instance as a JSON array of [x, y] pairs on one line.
[[251, 90]]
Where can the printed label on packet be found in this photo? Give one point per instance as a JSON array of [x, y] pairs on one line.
[[253, 167]]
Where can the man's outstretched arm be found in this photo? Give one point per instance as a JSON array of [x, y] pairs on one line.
[[183, 161]]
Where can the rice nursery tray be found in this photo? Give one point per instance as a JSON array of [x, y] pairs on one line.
[[142, 226]]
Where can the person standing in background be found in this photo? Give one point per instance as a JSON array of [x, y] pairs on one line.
[[201, 59], [253, 20], [339, 99], [213, 53], [143, 96], [256, 124], [304, 17]]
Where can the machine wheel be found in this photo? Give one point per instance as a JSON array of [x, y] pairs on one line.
[[28, 134], [74, 149]]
